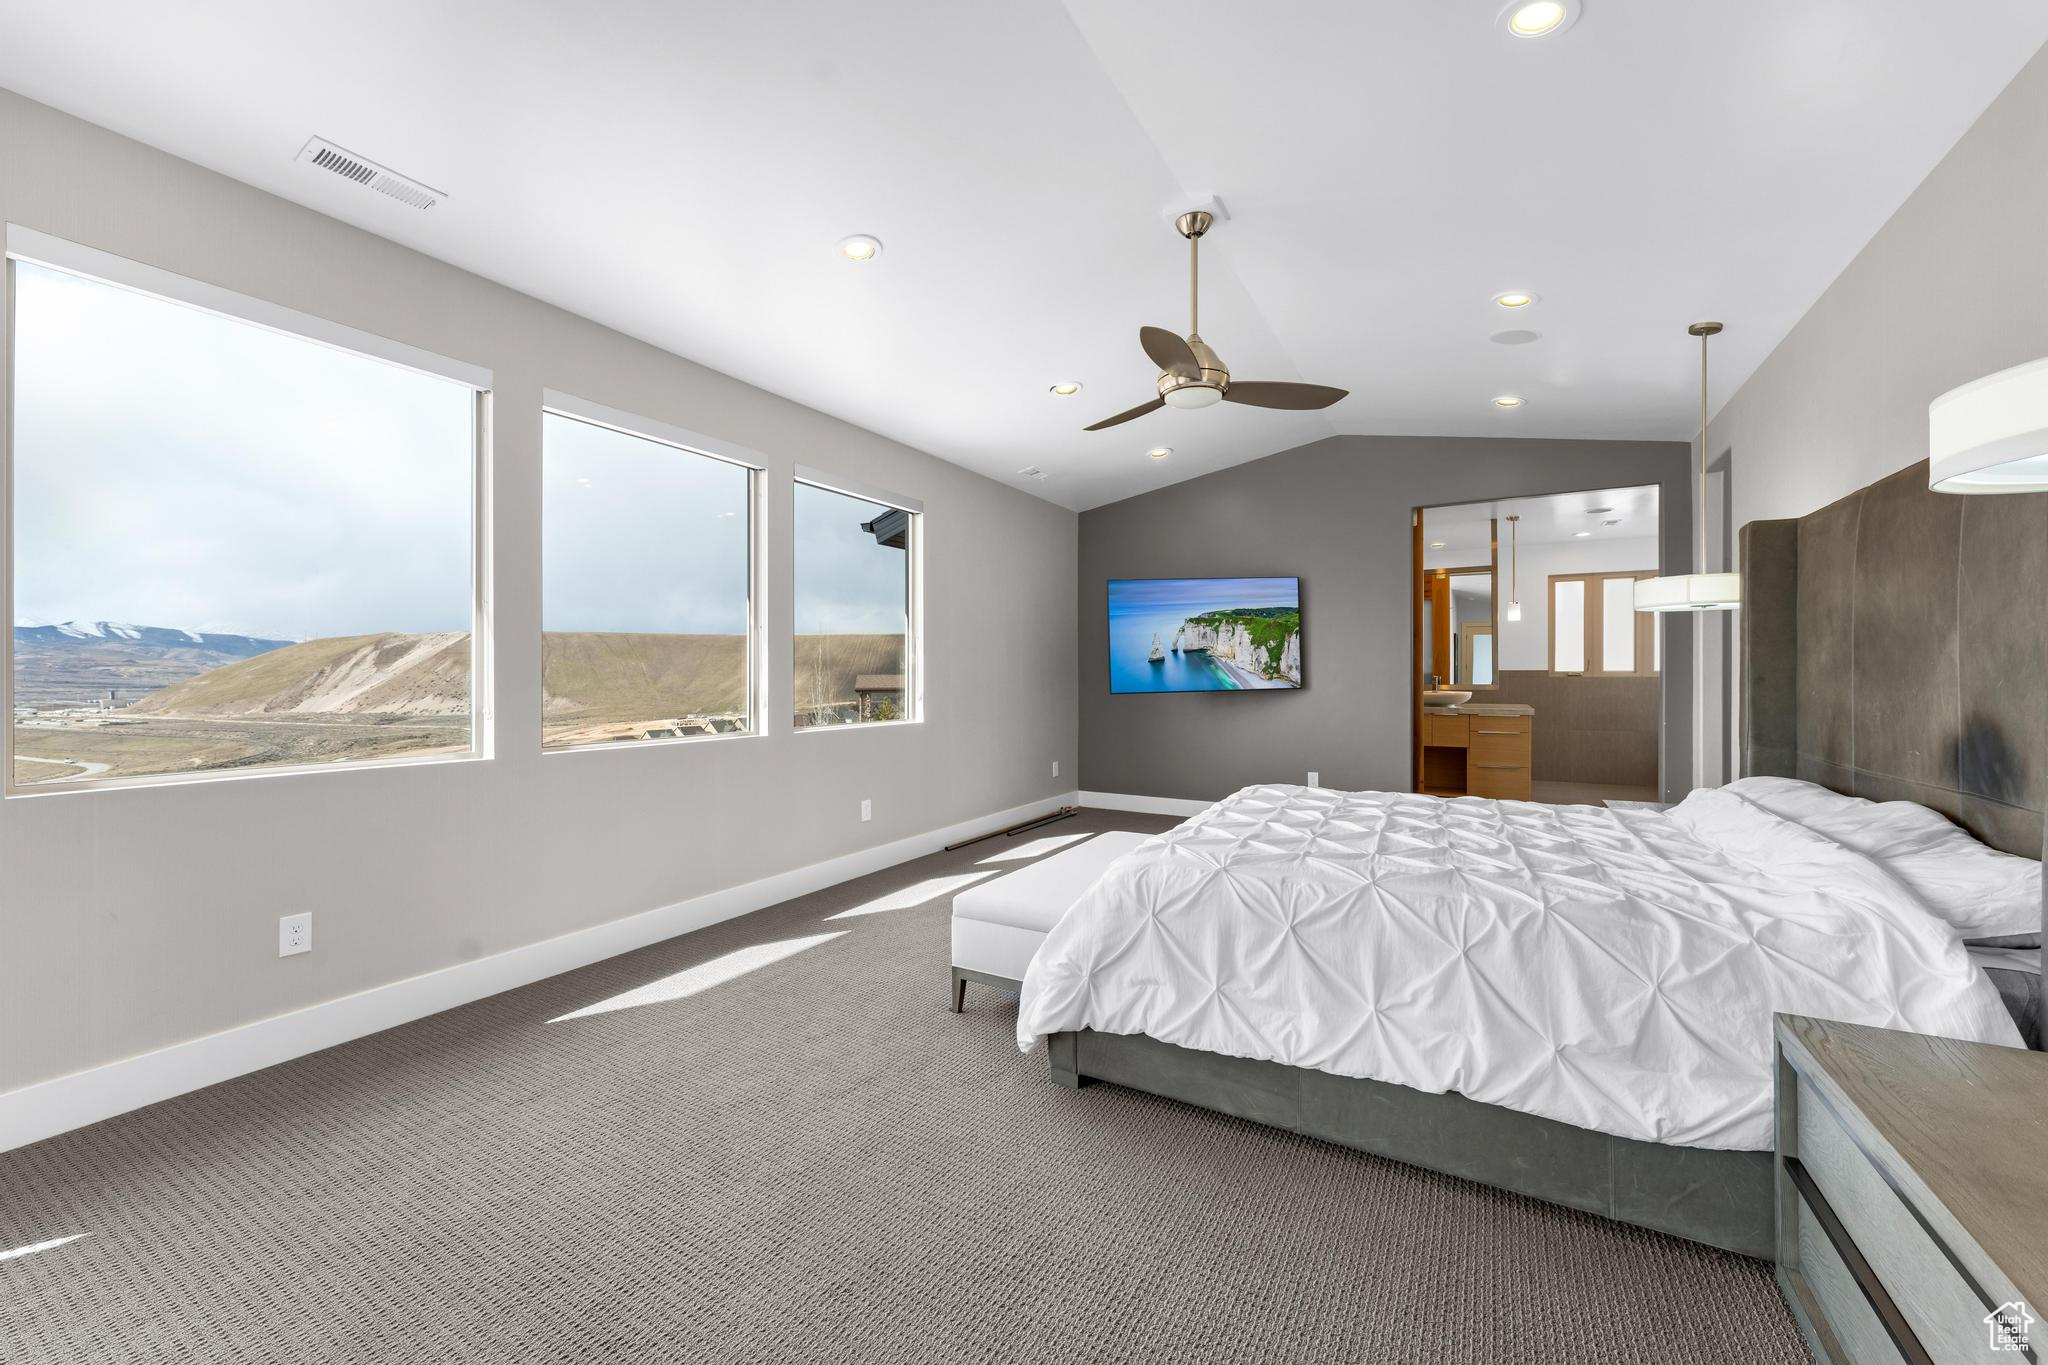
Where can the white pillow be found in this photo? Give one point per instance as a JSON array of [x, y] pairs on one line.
[[1985, 894]]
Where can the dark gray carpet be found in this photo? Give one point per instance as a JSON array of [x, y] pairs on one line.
[[811, 1161]]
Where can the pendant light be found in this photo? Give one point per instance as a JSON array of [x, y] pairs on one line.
[[1514, 569], [1698, 590], [1991, 435]]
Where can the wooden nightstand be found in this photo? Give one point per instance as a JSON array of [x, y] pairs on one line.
[[1912, 1177]]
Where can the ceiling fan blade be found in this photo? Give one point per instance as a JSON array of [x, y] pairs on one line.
[[1138, 411], [1169, 351], [1280, 394]]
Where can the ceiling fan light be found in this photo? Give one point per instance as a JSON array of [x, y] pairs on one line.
[[1192, 396]]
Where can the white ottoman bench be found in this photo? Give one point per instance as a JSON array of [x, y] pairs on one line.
[[998, 925]]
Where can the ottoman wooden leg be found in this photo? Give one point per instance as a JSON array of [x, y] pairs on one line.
[[959, 991]]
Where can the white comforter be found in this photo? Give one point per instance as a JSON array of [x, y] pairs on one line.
[[1613, 970]]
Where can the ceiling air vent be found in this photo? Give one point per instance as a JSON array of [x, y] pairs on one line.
[[367, 173]]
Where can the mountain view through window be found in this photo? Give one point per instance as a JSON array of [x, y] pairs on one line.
[[233, 548]]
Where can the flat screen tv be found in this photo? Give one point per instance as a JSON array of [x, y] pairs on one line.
[[1204, 634]]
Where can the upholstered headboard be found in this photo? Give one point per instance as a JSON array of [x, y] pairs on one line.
[[1895, 646]]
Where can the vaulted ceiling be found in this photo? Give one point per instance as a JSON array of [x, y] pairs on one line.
[[682, 172]]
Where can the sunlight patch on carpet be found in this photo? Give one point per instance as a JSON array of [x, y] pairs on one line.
[[914, 895], [1034, 848], [701, 977], [33, 1247]]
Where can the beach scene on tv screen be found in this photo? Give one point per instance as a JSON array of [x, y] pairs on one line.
[[1204, 634]]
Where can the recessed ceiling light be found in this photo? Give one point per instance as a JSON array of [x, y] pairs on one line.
[[1067, 388], [1160, 452], [1436, 545], [1508, 400], [1515, 336], [1514, 298], [1539, 18], [1615, 522], [860, 247], [1580, 535], [1596, 511]]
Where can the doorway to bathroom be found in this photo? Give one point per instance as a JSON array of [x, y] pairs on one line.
[[1534, 676]]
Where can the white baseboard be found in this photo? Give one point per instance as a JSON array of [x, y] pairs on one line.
[[47, 1108], [1144, 805]]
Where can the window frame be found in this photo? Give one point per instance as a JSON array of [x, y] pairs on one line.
[[568, 405], [1593, 617], [1467, 647], [120, 272], [913, 613]]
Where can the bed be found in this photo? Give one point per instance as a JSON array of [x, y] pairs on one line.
[[1574, 1002], [1568, 1001]]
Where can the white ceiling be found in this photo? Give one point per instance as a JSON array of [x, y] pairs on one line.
[[682, 171], [1555, 519]]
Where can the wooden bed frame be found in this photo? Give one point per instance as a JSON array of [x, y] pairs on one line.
[[1828, 594]]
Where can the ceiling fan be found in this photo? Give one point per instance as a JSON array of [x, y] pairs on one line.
[[1191, 375]]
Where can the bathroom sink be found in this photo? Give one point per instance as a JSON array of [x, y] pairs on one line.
[[1442, 698]]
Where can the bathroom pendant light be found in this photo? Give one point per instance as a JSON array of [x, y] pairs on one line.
[[1699, 590], [1514, 569]]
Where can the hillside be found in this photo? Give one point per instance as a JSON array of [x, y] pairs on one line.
[[589, 676], [81, 661], [620, 676], [617, 675], [391, 675], [826, 665]]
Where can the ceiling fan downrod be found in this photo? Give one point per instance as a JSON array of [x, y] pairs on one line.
[[1192, 225]]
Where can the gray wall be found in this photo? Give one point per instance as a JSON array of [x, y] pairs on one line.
[[130, 920], [1954, 286], [1336, 513]]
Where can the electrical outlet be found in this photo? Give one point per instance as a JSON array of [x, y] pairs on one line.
[[1055, 767], [867, 810], [1315, 779], [295, 934]]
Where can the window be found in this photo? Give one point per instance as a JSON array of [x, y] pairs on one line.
[[243, 539], [1595, 629], [856, 606], [647, 583]]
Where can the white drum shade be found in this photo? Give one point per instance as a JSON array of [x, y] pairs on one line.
[[1991, 435], [1690, 592]]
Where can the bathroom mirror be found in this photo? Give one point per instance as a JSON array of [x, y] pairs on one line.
[[1458, 553], [1471, 602], [1457, 628]]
